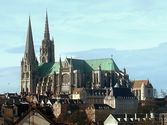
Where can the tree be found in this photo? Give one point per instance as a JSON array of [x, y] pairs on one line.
[[163, 93], [155, 92]]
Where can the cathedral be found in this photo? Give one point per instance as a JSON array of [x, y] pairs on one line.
[[42, 75]]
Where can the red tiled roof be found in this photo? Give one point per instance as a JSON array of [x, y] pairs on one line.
[[138, 83]]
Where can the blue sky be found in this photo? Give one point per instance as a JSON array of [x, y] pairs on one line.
[[79, 25]]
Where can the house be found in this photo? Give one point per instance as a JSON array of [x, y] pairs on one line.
[[12, 106], [95, 96], [37, 116], [142, 89], [97, 113], [122, 100], [163, 118], [132, 119]]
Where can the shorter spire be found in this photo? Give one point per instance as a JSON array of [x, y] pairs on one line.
[[46, 33]]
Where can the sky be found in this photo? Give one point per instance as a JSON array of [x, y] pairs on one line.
[[79, 25]]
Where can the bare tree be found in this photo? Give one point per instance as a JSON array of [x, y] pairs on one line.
[[156, 94], [163, 93]]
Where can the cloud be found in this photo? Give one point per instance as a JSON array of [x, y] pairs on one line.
[[20, 49], [16, 50], [83, 25], [90, 22], [141, 64]]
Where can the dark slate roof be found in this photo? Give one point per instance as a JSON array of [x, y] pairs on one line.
[[11, 95], [66, 101], [117, 92], [45, 112], [96, 92], [102, 106], [60, 100], [42, 97], [159, 99], [122, 92], [12, 99]]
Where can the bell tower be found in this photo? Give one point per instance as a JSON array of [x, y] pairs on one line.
[[47, 48], [29, 64]]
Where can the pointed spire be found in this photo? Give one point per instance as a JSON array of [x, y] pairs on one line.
[[46, 33], [52, 38], [60, 62], [29, 50], [71, 62]]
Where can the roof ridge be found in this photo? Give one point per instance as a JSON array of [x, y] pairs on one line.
[[140, 80], [98, 59], [76, 59]]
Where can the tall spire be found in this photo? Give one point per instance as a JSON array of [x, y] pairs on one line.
[[29, 49], [46, 33]]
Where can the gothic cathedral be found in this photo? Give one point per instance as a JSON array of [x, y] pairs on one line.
[[64, 76]]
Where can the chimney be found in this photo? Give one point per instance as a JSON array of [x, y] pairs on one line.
[[135, 116], [152, 115], [8, 114], [146, 116], [126, 117]]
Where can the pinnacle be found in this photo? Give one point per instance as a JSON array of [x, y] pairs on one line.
[[46, 33], [29, 50]]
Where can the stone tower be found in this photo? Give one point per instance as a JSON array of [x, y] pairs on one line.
[[47, 48], [29, 65]]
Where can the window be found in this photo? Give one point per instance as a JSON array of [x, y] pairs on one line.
[[27, 75]]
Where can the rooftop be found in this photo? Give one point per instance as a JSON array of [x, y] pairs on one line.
[[138, 83], [81, 65]]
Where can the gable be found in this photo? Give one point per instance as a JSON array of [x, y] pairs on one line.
[[138, 83], [110, 120], [34, 118]]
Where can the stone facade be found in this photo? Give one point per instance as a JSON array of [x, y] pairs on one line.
[[63, 77], [29, 65], [122, 100], [142, 89]]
